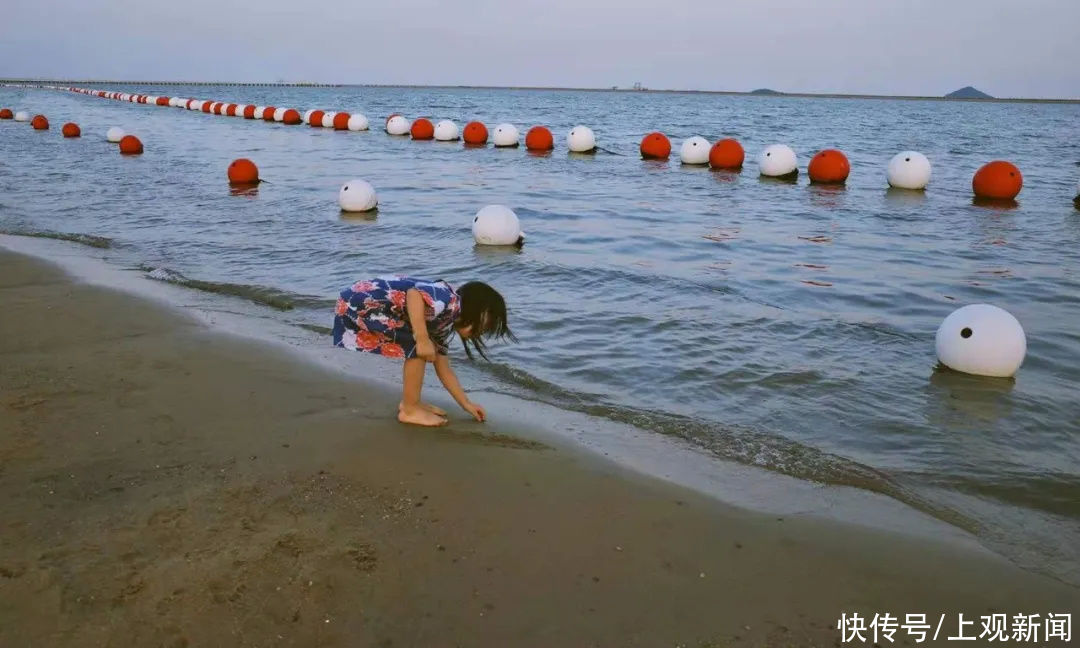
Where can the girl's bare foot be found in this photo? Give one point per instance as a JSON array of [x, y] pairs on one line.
[[420, 416], [438, 411]]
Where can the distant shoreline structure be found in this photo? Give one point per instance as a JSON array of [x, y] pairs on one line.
[[755, 93]]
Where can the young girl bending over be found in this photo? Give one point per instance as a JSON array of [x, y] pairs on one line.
[[414, 319]]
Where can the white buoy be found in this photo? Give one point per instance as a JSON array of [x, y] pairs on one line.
[[695, 151], [357, 196], [328, 119], [307, 116], [114, 134], [983, 340], [172, 102], [505, 135], [908, 170], [497, 225], [279, 114], [581, 139], [447, 131], [398, 125], [357, 122], [259, 110], [22, 115], [777, 160]]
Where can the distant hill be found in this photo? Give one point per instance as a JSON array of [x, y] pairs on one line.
[[968, 92], [765, 91]]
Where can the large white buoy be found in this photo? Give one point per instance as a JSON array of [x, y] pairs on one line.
[[22, 115], [497, 225], [983, 340], [259, 110], [357, 196], [777, 160], [307, 115], [398, 125], [114, 134], [908, 170], [279, 114], [357, 122], [447, 131], [328, 119], [695, 151], [505, 135], [581, 139]]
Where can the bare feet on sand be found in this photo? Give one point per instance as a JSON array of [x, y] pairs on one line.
[[422, 414]]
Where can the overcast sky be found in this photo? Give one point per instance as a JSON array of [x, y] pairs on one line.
[[1007, 48]]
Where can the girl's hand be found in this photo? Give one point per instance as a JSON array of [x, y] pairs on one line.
[[478, 412], [425, 349]]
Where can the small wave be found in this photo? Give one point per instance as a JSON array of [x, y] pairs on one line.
[[268, 296], [99, 242]]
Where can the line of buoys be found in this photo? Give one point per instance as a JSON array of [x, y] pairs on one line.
[[71, 129], [655, 146], [39, 122]]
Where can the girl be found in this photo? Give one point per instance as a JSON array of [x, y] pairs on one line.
[[414, 319]]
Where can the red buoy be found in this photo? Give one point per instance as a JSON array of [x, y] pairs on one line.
[[291, 116], [71, 129], [315, 119], [249, 112], [230, 110], [6, 114], [162, 101], [207, 105], [475, 133], [726, 154], [130, 145], [829, 167], [655, 146], [997, 180], [539, 139], [422, 129], [39, 123], [268, 113], [341, 121], [243, 172]]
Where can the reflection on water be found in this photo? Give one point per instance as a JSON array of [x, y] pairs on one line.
[[959, 400]]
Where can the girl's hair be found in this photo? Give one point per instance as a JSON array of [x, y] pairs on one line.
[[484, 309]]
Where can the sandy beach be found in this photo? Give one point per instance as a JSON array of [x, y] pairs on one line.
[[163, 484]]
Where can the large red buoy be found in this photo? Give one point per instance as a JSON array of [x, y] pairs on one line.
[[268, 113], [207, 105], [341, 121], [162, 101], [315, 119], [291, 116], [422, 129], [539, 139], [249, 112], [71, 129], [829, 167], [130, 145], [230, 110], [475, 133], [655, 146], [39, 123], [243, 172], [997, 180], [6, 114], [726, 154]]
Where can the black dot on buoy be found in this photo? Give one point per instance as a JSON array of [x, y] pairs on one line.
[[475, 218], [346, 188], [768, 154], [907, 159], [966, 333]]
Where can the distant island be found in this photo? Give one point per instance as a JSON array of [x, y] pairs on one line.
[[765, 91], [968, 92]]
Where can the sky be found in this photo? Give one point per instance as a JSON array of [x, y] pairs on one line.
[[1026, 48]]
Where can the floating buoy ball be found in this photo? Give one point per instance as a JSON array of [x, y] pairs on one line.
[[307, 115], [497, 225], [983, 340], [268, 113], [315, 118], [581, 139], [230, 110], [997, 180], [6, 113], [279, 114], [655, 146], [163, 101], [291, 117], [778, 161], [506, 135], [39, 123], [694, 151], [908, 170], [22, 116], [475, 133], [829, 167], [422, 129], [727, 154], [328, 119], [243, 172], [71, 129], [447, 131], [130, 145], [114, 134], [397, 125], [341, 121], [539, 138], [357, 122], [357, 196]]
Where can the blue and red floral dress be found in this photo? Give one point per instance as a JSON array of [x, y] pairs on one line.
[[371, 316]]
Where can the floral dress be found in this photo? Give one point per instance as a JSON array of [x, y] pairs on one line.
[[371, 316]]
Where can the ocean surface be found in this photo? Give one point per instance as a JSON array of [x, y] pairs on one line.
[[776, 324]]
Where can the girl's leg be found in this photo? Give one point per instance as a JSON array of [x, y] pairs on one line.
[[411, 409]]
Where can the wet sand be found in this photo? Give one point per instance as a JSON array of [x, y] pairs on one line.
[[162, 484]]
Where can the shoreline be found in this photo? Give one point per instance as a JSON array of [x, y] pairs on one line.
[[166, 484]]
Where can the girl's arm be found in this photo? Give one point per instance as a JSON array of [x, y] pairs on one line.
[[414, 306], [450, 381]]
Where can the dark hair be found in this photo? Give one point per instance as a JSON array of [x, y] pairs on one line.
[[484, 309]]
